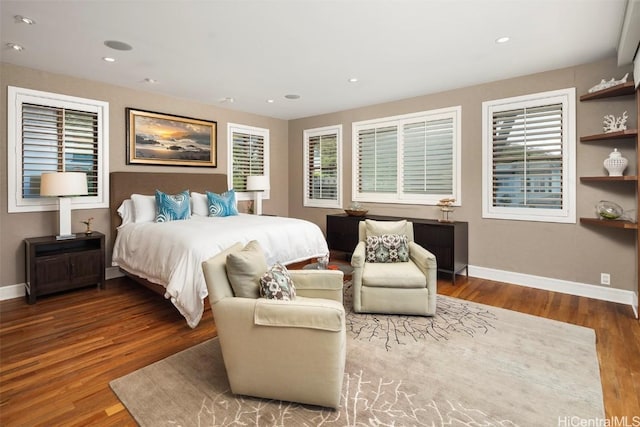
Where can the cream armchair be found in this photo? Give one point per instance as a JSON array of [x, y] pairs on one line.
[[393, 287], [285, 350]]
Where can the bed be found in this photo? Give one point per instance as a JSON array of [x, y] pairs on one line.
[[167, 256]]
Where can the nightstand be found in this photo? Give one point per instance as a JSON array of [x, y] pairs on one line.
[[59, 265]]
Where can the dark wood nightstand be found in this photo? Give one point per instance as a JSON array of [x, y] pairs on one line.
[[59, 265]]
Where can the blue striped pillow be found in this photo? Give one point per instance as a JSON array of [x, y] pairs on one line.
[[172, 207], [222, 204]]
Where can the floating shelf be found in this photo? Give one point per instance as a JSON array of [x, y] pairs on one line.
[[623, 89], [629, 133], [628, 225], [629, 178]]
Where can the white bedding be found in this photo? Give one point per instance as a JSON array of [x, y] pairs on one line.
[[170, 254]]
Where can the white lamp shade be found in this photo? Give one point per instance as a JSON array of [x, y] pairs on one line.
[[63, 184], [258, 183]]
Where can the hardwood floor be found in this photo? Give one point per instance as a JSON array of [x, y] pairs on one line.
[[58, 356]]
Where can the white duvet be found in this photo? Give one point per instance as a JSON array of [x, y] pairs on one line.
[[171, 253]]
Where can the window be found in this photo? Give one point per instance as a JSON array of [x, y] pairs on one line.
[[322, 167], [49, 132], [413, 158], [248, 155], [529, 157]]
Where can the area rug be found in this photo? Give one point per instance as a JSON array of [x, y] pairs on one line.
[[470, 365]]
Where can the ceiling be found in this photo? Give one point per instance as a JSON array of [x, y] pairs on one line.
[[257, 50]]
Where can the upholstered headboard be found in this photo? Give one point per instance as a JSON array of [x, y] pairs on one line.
[[123, 184]]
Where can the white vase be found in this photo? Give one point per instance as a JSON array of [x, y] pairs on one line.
[[615, 163]]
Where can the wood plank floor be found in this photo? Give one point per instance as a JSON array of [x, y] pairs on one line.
[[58, 356]]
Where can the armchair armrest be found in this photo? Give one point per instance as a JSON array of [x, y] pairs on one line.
[[424, 259], [357, 259], [318, 283], [309, 313]]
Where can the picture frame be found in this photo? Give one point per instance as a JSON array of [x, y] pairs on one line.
[[169, 140]]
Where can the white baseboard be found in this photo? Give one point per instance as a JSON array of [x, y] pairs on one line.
[[557, 285], [12, 291]]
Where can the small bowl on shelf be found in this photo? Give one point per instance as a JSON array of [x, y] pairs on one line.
[[353, 212], [609, 210]]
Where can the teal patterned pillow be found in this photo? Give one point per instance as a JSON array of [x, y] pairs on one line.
[[277, 284], [387, 248], [172, 207], [222, 204]]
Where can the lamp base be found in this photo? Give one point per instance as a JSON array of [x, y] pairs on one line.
[[66, 237]]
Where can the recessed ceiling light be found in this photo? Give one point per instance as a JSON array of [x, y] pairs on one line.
[[150, 80], [292, 96], [502, 39], [114, 44], [15, 47], [353, 80], [228, 99], [270, 101], [24, 20], [108, 59]]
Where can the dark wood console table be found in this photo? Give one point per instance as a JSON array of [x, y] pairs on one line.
[[448, 241]]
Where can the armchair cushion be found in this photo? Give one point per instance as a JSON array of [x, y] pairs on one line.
[[277, 284], [396, 275], [245, 268], [378, 228], [387, 248], [310, 313]]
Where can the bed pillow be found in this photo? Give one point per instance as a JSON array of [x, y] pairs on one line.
[[126, 212], [144, 208], [199, 204], [222, 204], [245, 268], [387, 248], [277, 284], [172, 207]]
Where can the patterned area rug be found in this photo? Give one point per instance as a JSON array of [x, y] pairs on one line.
[[470, 365]]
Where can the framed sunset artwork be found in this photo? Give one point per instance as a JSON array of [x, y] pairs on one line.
[[163, 139]]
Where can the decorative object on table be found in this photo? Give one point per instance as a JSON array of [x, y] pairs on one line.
[[258, 184], [87, 223], [615, 163], [64, 185], [615, 124], [356, 210], [608, 210], [163, 139], [604, 84], [323, 262], [446, 208]]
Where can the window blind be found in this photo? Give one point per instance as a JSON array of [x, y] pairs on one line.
[[428, 157], [377, 160], [322, 171], [248, 158], [58, 139], [527, 153]]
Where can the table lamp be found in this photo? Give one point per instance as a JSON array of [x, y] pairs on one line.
[[64, 185], [258, 184]]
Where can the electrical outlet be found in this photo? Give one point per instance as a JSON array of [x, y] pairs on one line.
[[605, 279]]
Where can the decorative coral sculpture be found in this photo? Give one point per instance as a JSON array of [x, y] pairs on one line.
[[446, 208], [615, 124]]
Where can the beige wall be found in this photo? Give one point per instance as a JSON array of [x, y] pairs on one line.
[[570, 252], [15, 227]]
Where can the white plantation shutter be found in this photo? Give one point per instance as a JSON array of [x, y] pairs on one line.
[[248, 155], [322, 151], [428, 157], [529, 157], [49, 132], [57, 139], [408, 159]]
